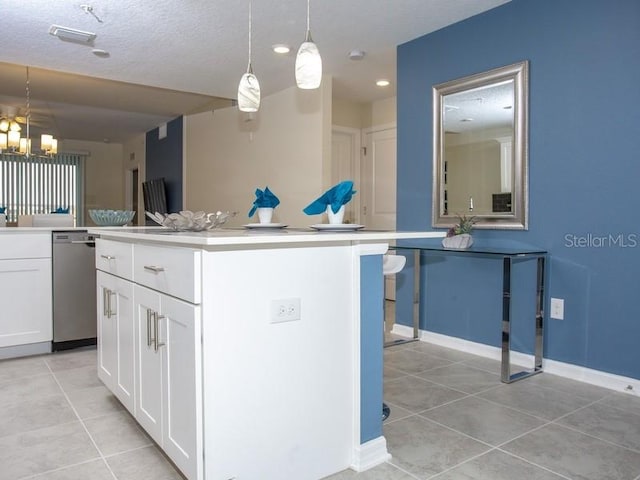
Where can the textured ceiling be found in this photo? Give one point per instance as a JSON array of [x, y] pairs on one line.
[[199, 47]]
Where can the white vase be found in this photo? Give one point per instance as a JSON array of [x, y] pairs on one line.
[[461, 241], [335, 218], [265, 214]]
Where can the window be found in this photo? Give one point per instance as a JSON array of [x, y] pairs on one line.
[[38, 184]]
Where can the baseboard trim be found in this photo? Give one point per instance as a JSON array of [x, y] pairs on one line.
[[369, 454], [567, 370], [25, 350]]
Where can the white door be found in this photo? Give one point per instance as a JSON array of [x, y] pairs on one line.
[[182, 418], [379, 187], [378, 183], [345, 165]]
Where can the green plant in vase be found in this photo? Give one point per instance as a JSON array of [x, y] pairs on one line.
[[464, 225], [459, 235]]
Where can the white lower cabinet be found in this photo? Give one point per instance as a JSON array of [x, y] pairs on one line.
[[169, 378], [25, 299], [116, 340], [25, 289]]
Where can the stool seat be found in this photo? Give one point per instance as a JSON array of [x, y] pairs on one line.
[[393, 263]]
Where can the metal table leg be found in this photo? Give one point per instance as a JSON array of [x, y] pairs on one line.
[[506, 376]]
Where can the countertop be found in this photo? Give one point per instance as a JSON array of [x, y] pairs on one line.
[[244, 236]]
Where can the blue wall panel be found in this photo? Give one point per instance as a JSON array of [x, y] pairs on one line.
[[583, 174], [371, 340], [164, 160]]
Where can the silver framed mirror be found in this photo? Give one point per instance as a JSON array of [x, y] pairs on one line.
[[480, 149]]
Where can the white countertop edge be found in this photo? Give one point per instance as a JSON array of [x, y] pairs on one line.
[[13, 230], [224, 236]]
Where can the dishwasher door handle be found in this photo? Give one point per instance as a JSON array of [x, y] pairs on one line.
[[88, 242]]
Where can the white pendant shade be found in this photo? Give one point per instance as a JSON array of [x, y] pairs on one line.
[[249, 92], [308, 65], [3, 141], [249, 87]]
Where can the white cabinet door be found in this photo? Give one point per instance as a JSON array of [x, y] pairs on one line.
[[116, 337], [169, 405], [148, 364], [25, 301], [182, 421], [107, 347]]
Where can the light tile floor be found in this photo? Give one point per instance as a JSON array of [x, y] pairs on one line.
[[451, 419]]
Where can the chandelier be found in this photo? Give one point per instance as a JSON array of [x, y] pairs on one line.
[[11, 138]]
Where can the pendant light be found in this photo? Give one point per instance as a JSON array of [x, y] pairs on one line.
[[308, 62], [249, 88]]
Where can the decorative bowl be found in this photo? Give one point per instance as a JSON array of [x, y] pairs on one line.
[[187, 221], [111, 218]]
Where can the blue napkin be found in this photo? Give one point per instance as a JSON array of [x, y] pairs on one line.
[[61, 210], [336, 196], [2, 209], [264, 199]]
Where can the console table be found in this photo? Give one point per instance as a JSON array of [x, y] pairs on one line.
[[508, 256]]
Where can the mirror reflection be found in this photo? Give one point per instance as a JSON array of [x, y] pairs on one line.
[[480, 149]]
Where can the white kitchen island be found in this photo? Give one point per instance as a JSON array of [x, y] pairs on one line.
[[247, 354]]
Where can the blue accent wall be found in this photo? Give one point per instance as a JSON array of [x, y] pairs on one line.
[[371, 340], [164, 159], [584, 171]]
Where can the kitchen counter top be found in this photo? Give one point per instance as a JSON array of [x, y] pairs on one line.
[[242, 236]]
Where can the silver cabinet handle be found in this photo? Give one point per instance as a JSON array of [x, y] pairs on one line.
[[110, 293], [105, 310], [149, 341], [154, 268], [108, 257], [156, 319]]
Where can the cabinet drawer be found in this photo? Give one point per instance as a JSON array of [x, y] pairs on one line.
[[175, 271], [115, 258], [25, 245]]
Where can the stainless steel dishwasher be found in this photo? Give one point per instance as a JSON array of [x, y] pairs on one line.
[[74, 289]]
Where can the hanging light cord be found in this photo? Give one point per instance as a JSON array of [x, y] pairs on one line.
[[28, 113], [249, 67], [308, 22]]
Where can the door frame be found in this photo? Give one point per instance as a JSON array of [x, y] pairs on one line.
[[356, 155]]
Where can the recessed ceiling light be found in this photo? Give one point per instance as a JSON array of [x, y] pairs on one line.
[[383, 82], [281, 48]]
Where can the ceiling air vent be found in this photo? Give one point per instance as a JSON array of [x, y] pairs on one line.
[[71, 34]]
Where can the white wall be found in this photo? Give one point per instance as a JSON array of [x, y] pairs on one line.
[[133, 156], [287, 146], [103, 174]]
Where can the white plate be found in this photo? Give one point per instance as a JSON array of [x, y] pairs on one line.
[[336, 226], [264, 225]]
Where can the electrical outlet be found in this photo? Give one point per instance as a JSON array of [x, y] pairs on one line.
[[557, 308], [285, 310]]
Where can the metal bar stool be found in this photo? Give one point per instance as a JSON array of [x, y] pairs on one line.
[[391, 264]]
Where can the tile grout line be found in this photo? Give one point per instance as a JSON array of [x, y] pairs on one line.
[[75, 411]]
